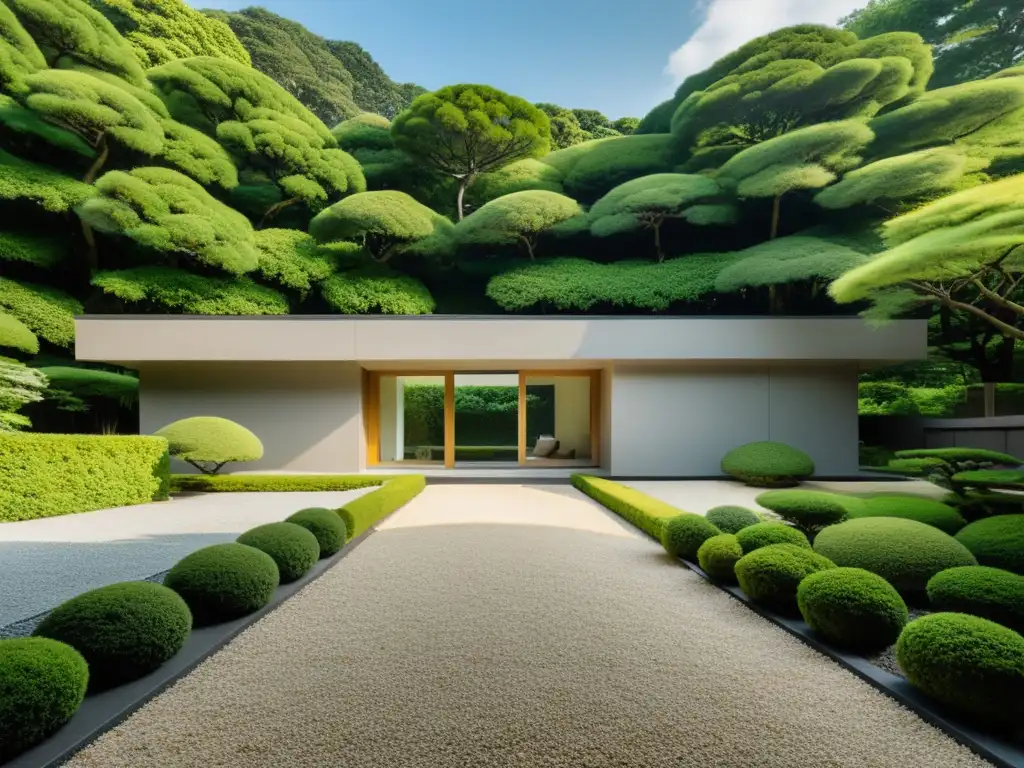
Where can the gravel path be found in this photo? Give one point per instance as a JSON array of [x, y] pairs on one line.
[[518, 626], [47, 561]]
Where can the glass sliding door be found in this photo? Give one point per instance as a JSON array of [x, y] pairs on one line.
[[561, 420], [411, 419], [486, 418]]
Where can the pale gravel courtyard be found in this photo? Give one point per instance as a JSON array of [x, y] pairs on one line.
[[46, 561], [518, 626]]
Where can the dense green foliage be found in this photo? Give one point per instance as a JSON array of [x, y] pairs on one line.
[[325, 524], [996, 541], [991, 593], [718, 556], [810, 511], [645, 512], [124, 631], [50, 475], [923, 510], [767, 464], [970, 664], [210, 442], [516, 219], [223, 582], [362, 513], [292, 547], [683, 535], [270, 483], [765, 534], [852, 608], [731, 519], [770, 575], [44, 683], [905, 553]]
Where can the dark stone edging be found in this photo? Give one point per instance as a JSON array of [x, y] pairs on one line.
[[102, 712]]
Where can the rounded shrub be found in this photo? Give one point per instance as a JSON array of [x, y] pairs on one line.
[[718, 555], [326, 525], [42, 684], [765, 534], [996, 541], [852, 608], [991, 593], [971, 664], [210, 442], [905, 553], [224, 582], [770, 575], [808, 510], [682, 535], [768, 465], [292, 547], [729, 519], [927, 511], [124, 631]]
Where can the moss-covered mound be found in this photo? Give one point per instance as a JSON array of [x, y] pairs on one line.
[[326, 525], [923, 510], [682, 535], [991, 593], [718, 556], [996, 541], [971, 664], [42, 684], [903, 552], [770, 575], [224, 582], [808, 510], [765, 534], [768, 465], [292, 547], [852, 608], [729, 519], [124, 631]]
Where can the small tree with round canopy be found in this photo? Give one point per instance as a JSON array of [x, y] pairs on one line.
[[518, 218], [210, 442]]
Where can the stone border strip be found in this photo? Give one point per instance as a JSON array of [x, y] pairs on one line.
[[102, 712]]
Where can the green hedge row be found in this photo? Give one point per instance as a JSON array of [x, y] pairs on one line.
[[269, 483], [363, 512], [51, 475], [643, 511]]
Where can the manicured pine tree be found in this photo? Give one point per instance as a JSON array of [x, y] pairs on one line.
[[517, 219]]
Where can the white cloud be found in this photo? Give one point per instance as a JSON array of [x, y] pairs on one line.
[[730, 23]]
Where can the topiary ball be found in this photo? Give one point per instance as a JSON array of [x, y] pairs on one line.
[[42, 684], [991, 593], [903, 552], [718, 555], [682, 535], [852, 608], [971, 664], [996, 541], [765, 534], [326, 525], [808, 510], [124, 631], [926, 511], [730, 519], [768, 465], [224, 582], [292, 547], [770, 575]]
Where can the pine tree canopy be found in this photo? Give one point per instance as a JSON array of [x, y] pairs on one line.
[[50, 189], [15, 335], [517, 218], [175, 291], [19, 54], [787, 260], [48, 313]]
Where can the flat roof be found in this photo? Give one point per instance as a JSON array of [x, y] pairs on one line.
[[376, 340]]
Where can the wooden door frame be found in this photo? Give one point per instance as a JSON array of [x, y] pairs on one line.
[[596, 376]]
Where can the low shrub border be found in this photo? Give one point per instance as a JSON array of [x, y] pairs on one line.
[[101, 712], [360, 514], [999, 751], [271, 483], [645, 512]]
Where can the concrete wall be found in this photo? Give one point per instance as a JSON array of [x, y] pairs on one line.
[[308, 417], [679, 421]]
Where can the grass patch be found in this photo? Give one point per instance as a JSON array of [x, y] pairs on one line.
[[643, 511], [268, 483]]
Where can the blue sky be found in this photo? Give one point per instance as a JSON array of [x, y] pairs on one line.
[[618, 56]]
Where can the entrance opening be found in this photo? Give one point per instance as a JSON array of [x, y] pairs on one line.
[[486, 419], [411, 419], [559, 423]]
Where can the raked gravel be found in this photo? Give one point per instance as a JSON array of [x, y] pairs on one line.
[[518, 626]]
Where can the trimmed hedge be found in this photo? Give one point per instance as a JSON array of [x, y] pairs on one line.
[[927, 511], [975, 505], [292, 547], [768, 465], [51, 475], [224, 581], [961, 455], [682, 535], [42, 684], [360, 514], [765, 534], [210, 442], [718, 556], [905, 553], [852, 608], [271, 483], [991, 593], [645, 512], [124, 631], [808, 510], [730, 519], [770, 575], [971, 664], [996, 541], [325, 524]]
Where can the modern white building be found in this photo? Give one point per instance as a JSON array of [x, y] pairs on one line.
[[633, 397]]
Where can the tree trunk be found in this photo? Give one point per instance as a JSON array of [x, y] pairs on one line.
[[99, 162], [990, 398], [92, 256], [657, 243], [275, 209], [776, 206], [464, 183], [529, 247]]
